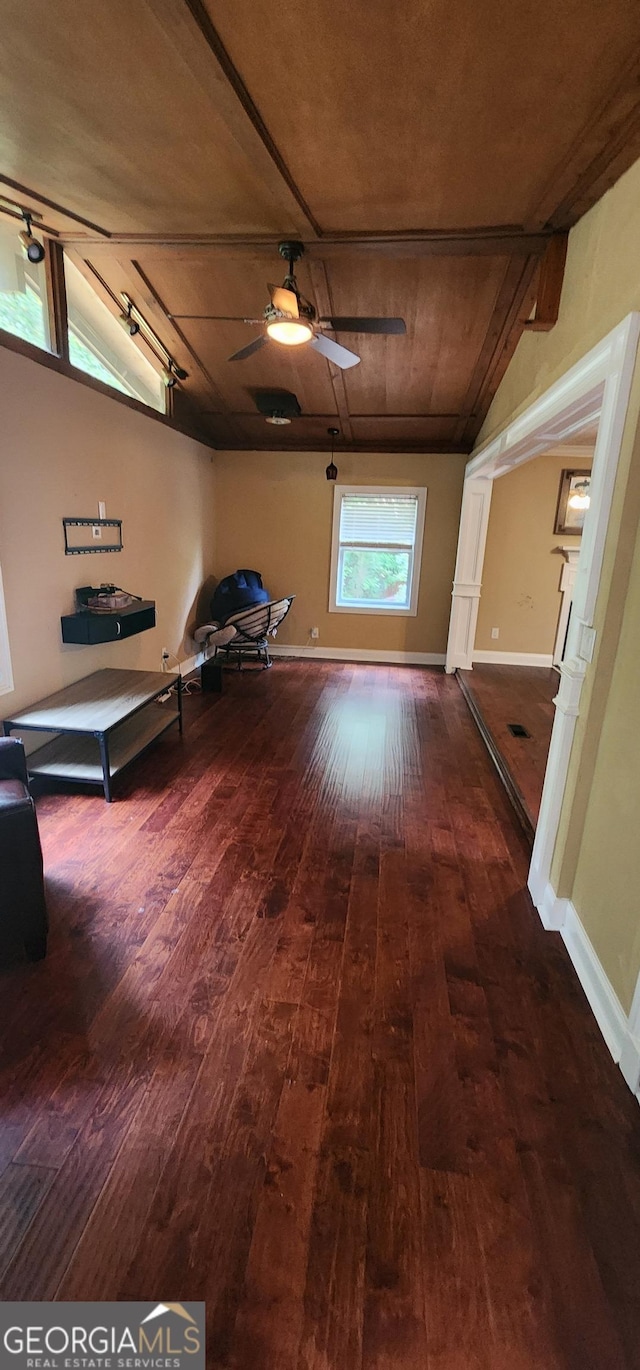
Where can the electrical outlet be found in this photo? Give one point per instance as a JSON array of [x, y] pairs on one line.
[[495, 632], [165, 657], [314, 633]]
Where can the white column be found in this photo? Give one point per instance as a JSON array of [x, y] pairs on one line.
[[567, 583], [580, 647], [474, 520]]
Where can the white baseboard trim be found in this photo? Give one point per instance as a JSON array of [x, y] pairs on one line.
[[360, 654], [553, 911], [605, 1004], [615, 1026], [513, 658]]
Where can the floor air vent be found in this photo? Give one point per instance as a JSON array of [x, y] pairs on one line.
[[518, 730]]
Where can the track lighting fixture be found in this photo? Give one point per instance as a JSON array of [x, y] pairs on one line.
[[135, 323], [332, 470], [174, 373], [33, 249], [129, 323]]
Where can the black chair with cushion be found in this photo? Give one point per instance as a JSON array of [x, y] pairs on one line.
[[23, 911]]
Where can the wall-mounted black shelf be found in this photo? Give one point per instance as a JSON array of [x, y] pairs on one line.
[[87, 628]]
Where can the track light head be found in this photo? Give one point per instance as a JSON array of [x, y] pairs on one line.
[[33, 249], [129, 323], [169, 378], [179, 372]]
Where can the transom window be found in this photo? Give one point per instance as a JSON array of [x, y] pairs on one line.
[[376, 550], [23, 290], [99, 345]]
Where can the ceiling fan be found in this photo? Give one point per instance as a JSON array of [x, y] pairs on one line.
[[291, 320]]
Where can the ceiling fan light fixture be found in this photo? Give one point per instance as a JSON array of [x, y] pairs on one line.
[[291, 332]]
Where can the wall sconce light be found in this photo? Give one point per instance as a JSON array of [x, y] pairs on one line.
[[332, 470], [33, 249]]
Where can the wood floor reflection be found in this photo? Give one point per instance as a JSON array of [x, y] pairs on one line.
[[302, 1049]]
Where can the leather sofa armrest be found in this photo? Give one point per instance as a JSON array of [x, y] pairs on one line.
[[13, 765]]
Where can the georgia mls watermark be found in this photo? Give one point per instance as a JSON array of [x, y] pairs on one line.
[[102, 1336]]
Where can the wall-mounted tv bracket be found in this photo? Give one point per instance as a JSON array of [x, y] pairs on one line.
[[104, 535]]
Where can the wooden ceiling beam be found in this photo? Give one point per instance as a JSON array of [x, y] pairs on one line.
[[19, 193], [324, 306], [550, 281], [514, 303], [154, 301], [607, 144], [507, 240], [195, 40], [419, 449]]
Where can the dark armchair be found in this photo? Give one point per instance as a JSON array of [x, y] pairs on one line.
[[23, 912]]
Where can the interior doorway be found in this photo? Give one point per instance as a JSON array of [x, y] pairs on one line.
[[592, 396], [530, 562]]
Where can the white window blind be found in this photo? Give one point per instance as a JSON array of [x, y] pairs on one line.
[[378, 520], [376, 550]]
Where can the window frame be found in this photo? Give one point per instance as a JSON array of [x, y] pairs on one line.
[[55, 355], [415, 553], [98, 346]]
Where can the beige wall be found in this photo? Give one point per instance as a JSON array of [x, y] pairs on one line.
[[596, 857], [63, 448], [521, 574], [274, 514]]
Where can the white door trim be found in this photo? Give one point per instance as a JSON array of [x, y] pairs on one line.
[[596, 388]]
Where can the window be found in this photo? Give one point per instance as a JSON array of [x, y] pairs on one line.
[[23, 291], [376, 551], [99, 346], [6, 676]]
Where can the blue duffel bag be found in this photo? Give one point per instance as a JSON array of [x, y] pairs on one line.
[[239, 591]]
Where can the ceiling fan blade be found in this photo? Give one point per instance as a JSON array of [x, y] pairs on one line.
[[250, 348], [286, 300], [334, 352], [352, 324]]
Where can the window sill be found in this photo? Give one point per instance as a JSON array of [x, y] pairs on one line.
[[373, 609]]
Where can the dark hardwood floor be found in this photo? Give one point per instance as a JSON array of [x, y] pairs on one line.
[[500, 695], [301, 1048]]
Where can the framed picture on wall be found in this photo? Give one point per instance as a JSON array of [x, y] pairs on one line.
[[574, 498]]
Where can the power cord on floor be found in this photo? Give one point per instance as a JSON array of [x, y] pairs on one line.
[[189, 687]]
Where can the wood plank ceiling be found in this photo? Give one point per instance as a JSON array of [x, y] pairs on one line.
[[430, 157]]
